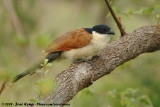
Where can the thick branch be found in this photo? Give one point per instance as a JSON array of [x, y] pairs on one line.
[[122, 31], [80, 76]]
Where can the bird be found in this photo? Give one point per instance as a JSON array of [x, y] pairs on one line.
[[79, 45]]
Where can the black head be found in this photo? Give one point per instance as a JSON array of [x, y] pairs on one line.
[[103, 29]]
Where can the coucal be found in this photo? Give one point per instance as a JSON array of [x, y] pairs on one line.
[[83, 43]]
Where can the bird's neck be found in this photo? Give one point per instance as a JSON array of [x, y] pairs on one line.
[[89, 30], [100, 40], [100, 36]]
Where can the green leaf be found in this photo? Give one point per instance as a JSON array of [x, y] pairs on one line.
[[46, 72], [33, 100], [49, 64], [130, 11], [109, 14], [112, 93], [157, 16], [157, 5], [42, 40], [21, 40], [45, 61]]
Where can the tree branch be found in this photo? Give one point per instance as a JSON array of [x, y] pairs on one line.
[[80, 76], [3, 86], [157, 26], [122, 31]]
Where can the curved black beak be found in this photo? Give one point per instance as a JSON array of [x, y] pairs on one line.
[[111, 32]]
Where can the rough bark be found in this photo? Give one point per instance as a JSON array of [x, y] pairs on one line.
[[81, 75]]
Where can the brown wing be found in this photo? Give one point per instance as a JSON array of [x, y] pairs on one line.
[[70, 40]]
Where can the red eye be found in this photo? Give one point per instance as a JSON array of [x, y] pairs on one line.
[[103, 30]]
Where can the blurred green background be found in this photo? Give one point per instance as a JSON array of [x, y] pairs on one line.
[[28, 26]]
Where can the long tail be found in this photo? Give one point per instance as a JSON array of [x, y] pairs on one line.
[[51, 57], [28, 71]]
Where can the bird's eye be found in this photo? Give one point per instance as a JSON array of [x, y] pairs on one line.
[[103, 30]]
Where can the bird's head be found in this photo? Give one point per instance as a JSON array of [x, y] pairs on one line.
[[103, 29]]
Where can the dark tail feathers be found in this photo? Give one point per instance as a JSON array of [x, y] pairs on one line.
[[51, 57]]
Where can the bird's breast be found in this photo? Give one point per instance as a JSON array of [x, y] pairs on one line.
[[97, 43]]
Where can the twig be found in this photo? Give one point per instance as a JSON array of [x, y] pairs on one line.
[[157, 26], [119, 19], [3, 86], [122, 31]]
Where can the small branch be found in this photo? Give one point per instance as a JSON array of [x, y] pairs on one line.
[[119, 19], [122, 31], [3, 86], [157, 26]]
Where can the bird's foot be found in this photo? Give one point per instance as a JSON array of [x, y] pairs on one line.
[[92, 78], [79, 60], [95, 56], [91, 81], [84, 60]]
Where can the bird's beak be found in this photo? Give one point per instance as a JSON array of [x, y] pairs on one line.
[[111, 32]]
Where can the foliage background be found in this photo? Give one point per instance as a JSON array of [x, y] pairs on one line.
[[133, 84]]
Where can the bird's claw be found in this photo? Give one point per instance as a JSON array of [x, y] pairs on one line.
[[84, 60], [96, 56]]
